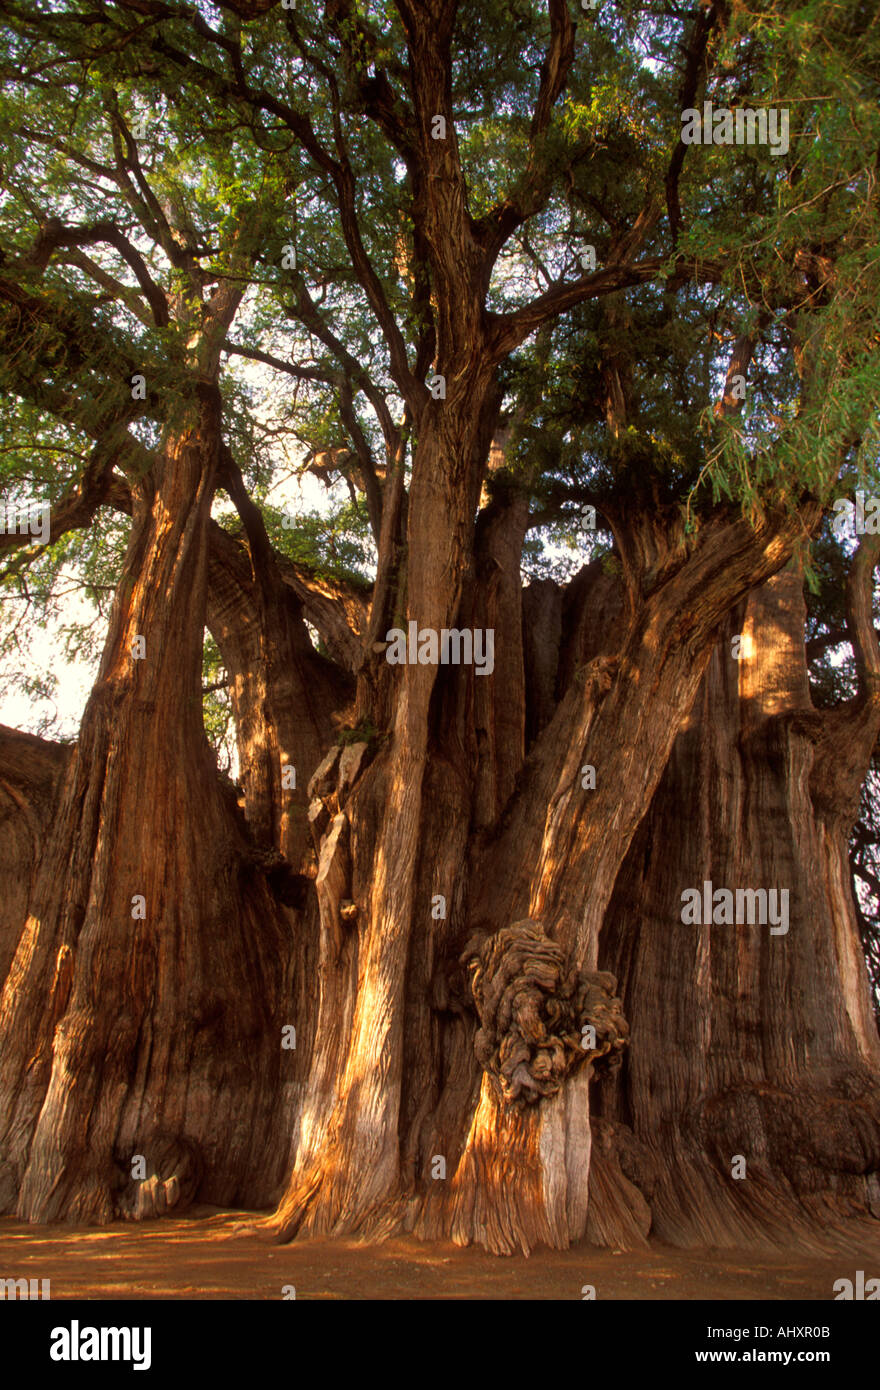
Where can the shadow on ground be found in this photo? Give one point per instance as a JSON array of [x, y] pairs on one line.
[[207, 1255]]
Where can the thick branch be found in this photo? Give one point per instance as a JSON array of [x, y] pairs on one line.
[[54, 234], [860, 617], [82, 340], [30, 766], [694, 75], [336, 610], [75, 511], [619, 273]]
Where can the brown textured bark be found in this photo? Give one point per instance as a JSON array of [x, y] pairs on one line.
[[284, 695], [620, 711], [161, 1036], [445, 971], [557, 852], [351, 1133], [744, 1042], [505, 1104], [347, 1171], [30, 770]]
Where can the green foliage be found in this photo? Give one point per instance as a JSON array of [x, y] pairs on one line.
[[363, 732], [335, 543], [244, 127], [217, 706]]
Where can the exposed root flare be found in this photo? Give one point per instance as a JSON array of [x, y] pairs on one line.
[[155, 1197], [540, 1016], [316, 1206], [175, 1169]]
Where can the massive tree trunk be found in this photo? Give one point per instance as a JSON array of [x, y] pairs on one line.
[[459, 1031], [30, 770], [747, 1109], [520, 1175], [143, 1011], [446, 895], [286, 701], [346, 1153], [447, 1063], [284, 694]]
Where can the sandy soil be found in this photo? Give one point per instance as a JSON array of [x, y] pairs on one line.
[[208, 1255]]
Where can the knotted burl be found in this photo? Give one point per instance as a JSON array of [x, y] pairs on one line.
[[533, 1007]]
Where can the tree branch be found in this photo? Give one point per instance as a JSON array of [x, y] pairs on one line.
[[740, 360], [73, 512], [617, 274], [143, 200], [270, 360], [54, 234], [493, 229], [695, 73], [30, 766], [306, 310], [860, 618], [338, 169]]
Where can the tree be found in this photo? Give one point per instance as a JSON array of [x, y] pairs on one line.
[[463, 864], [771, 1134], [122, 1027]]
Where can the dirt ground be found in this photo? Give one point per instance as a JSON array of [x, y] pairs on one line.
[[208, 1255]]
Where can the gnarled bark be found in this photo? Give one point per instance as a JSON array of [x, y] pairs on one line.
[[146, 995], [284, 694], [743, 1042], [558, 865], [30, 770]]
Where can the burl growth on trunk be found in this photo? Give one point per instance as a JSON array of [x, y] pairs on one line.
[[540, 1017]]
